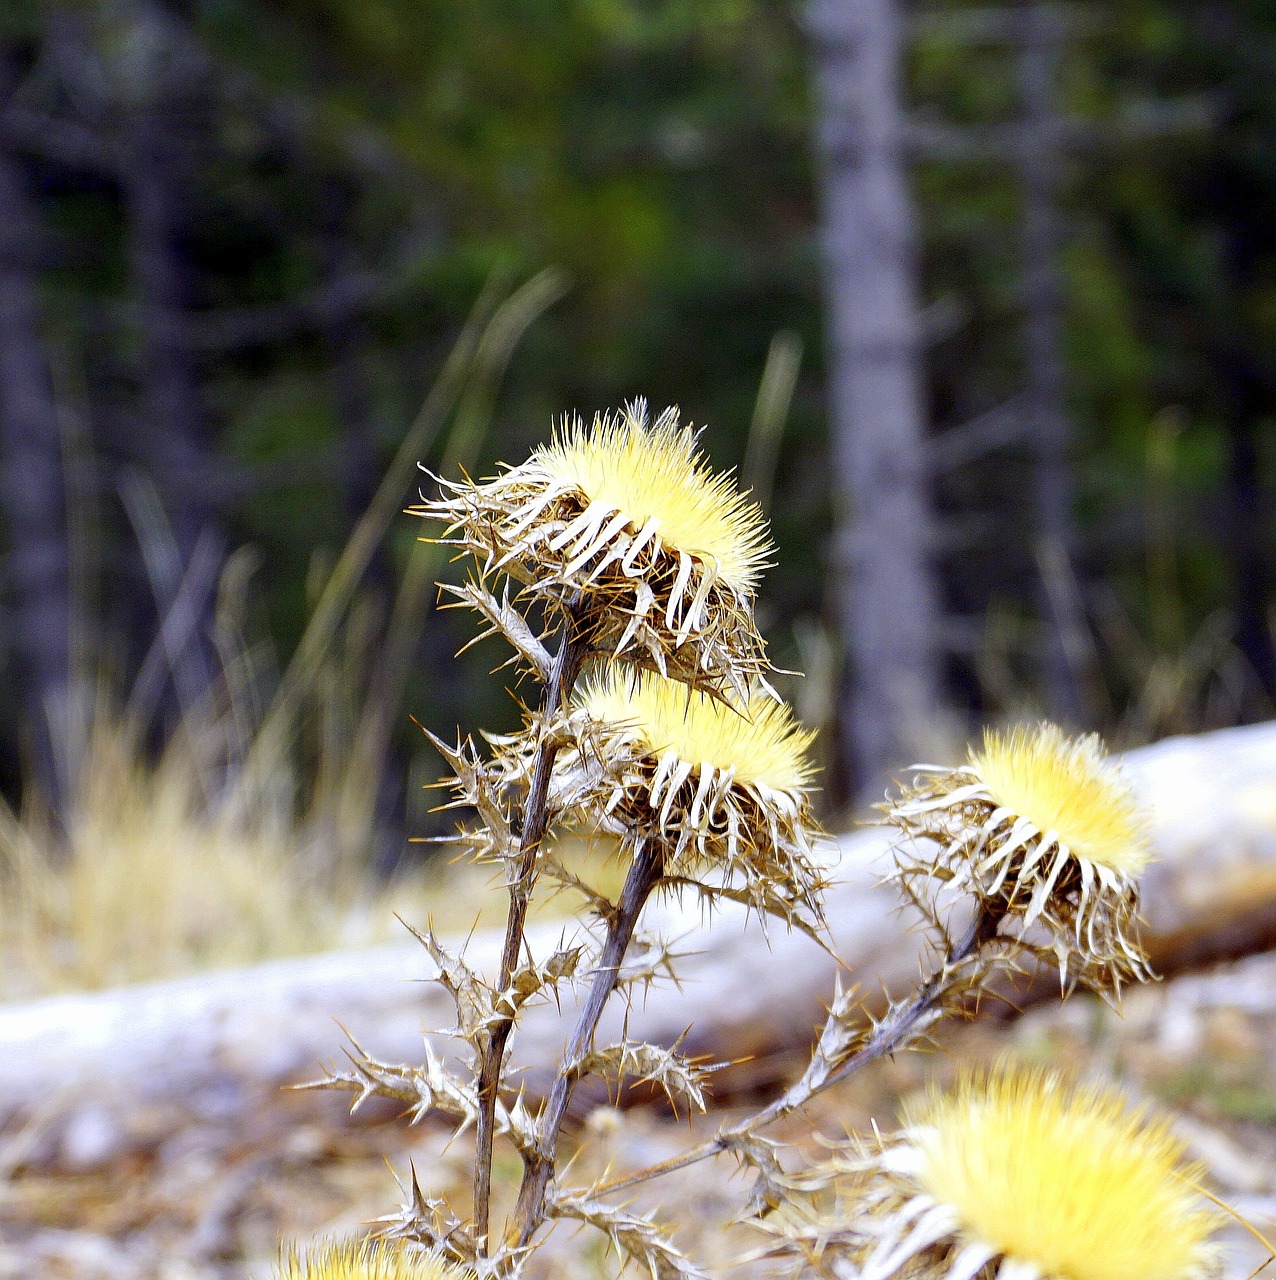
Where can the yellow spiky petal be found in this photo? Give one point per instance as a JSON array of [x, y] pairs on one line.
[[763, 747], [657, 474], [365, 1260], [1066, 1181], [1066, 785]]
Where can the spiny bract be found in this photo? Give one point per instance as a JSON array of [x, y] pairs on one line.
[[657, 475], [1065, 1182], [761, 746], [714, 786]]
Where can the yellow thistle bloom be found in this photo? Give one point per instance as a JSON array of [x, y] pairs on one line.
[[366, 1260], [658, 475], [1018, 1176], [662, 554], [1046, 828], [707, 780], [1067, 786]]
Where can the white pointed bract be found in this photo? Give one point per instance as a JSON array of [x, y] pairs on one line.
[[1045, 828], [660, 554]]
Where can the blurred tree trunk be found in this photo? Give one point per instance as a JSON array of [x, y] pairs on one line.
[[884, 587], [1247, 400], [1040, 162], [32, 480], [160, 85], [343, 334], [1247, 396]]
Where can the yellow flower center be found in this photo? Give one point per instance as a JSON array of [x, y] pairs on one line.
[[656, 473], [765, 747], [1066, 785], [366, 1260], [1067, 1180]]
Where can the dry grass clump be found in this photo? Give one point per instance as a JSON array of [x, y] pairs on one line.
[[147, 881], [249, 832]]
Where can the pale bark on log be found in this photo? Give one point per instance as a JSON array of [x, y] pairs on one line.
[[124, 1066]]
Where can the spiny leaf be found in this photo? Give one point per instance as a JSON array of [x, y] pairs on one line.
[[474, 999], [478, 785], [503, 619], [666, 1068], [772, 1186], [651, 959], [601, 905], [532, 978], [431, 1087], [428, 1220], [633, 1236]]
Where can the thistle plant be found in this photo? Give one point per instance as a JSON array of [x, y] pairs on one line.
[[621, 571]]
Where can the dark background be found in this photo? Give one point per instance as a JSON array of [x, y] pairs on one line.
[[241, 243]]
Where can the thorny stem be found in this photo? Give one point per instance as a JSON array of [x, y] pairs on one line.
[[644, 875], [890, 1035], [567, 663]]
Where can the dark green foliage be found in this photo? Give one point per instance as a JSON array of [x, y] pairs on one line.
[[661, 154]]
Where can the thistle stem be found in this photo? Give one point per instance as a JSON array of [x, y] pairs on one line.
[[894, 1030], [644, 874], [571, 654], [890, 1035]]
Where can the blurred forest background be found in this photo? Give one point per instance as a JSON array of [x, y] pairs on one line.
[[980, 301]]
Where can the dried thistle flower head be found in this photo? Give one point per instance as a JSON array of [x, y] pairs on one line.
[[1046, 828], [1019, 1176], [629, 518], [366, 1260], [711, 782]]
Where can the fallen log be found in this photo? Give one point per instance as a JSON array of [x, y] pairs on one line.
[[112, 1070]]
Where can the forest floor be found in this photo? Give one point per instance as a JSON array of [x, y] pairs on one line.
[[211, 1203]]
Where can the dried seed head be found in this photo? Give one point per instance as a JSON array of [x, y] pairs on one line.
[[712, 783], [629, 519], [1020, 1176], [366, 1260], [1046, 828]]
